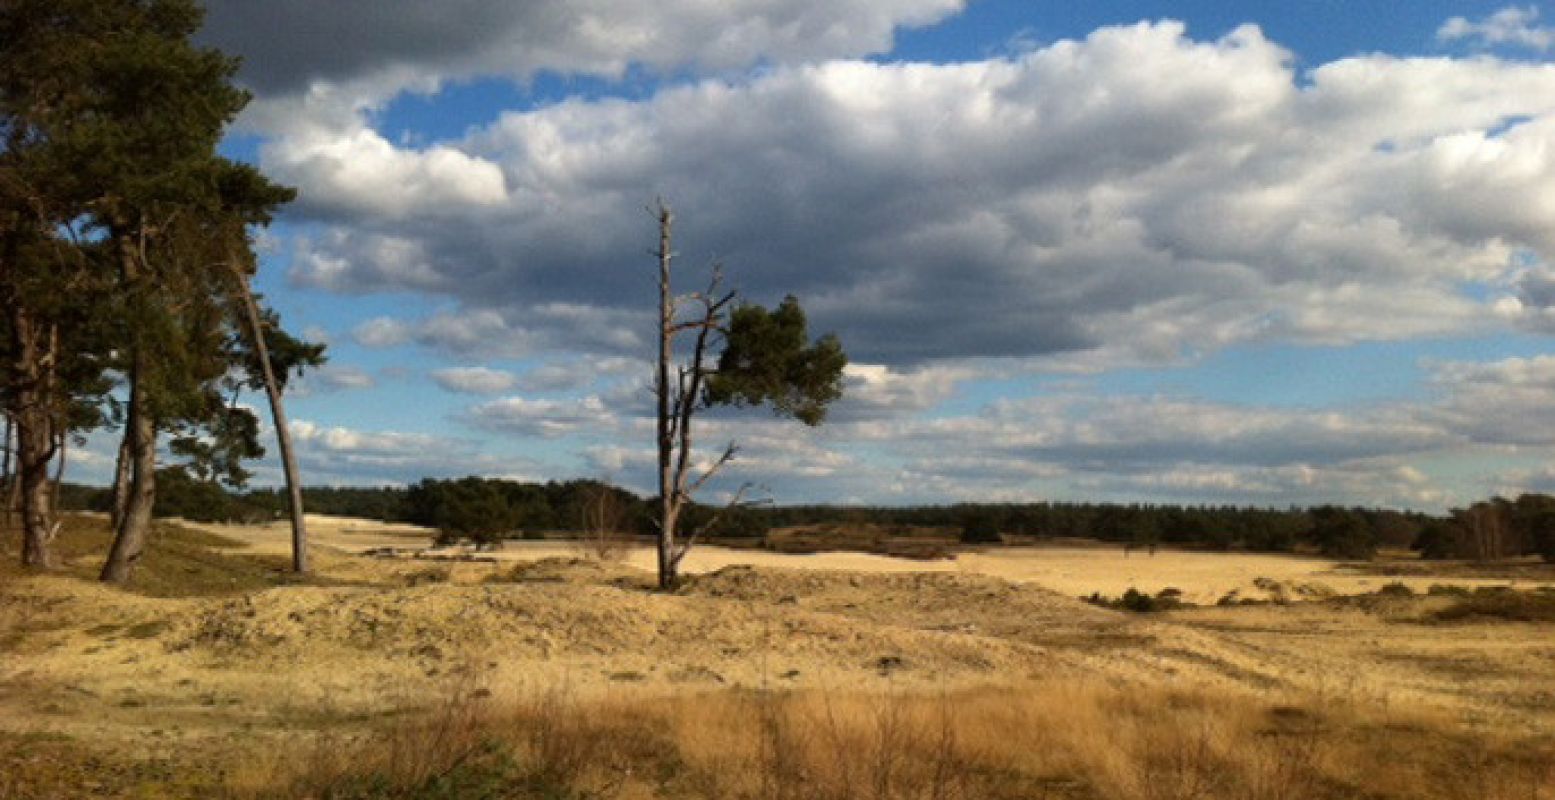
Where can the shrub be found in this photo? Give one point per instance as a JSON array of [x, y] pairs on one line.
[[1140, 602]]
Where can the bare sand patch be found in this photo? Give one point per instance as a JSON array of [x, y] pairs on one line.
[[1202, 577], [349, 534]]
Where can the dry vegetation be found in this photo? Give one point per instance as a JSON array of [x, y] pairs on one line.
[[571, 678], [898, 541], [1030, 740]]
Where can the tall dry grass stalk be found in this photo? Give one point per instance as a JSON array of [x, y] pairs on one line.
[[402, 749], [1039, 740]]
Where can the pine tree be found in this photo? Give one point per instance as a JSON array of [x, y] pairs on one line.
[[113, 199]]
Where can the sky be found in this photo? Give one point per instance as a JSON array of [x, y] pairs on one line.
[[1261, 253]]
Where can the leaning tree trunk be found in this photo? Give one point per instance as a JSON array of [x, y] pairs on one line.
[[140, 443], [140, 432], [283, 434], [121, 484]]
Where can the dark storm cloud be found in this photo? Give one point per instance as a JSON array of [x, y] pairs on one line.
[[287, 45]]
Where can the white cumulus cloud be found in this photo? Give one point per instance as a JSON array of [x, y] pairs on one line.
[[474, 380], [1513, 25], [1136, 195]]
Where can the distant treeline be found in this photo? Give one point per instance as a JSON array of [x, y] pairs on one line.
[[486, 509]]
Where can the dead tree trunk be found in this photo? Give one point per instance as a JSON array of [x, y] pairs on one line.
[[669, 502], [283, 434], [678, 402]]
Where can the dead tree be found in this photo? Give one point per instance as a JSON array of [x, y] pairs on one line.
[[678, 401], [764, 358], [602, 530]]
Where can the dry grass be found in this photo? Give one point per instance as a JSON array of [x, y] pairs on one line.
[[179, 561], [1529, 568], [918, 544], [570, 679], [1503, 605], [1061, 740]]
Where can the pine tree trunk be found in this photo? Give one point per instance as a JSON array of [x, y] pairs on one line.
[[121, 483], [34, 442], [13, 498], [283, 434], [129, 541], [7, 477], [140, 442], [5, 455], [37, 527]]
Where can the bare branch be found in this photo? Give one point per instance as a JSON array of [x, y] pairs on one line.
[[737, 501], [730, 451], [695, 325], [697, 368]]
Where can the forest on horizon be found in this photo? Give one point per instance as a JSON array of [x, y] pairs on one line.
[[484, 509]]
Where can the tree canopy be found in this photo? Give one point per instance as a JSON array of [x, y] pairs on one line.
[[768, 360], [124, 240]]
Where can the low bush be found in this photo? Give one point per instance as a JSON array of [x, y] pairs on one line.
[[1167, 599], [1510, 606]]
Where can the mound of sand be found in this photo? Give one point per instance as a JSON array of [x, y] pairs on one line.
[[925, 600], [600, 619]]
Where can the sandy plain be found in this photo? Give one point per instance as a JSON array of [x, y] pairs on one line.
[[229, 673], [1202, 577]]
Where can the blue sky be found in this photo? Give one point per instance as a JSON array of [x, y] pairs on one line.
[[1254, 253]]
